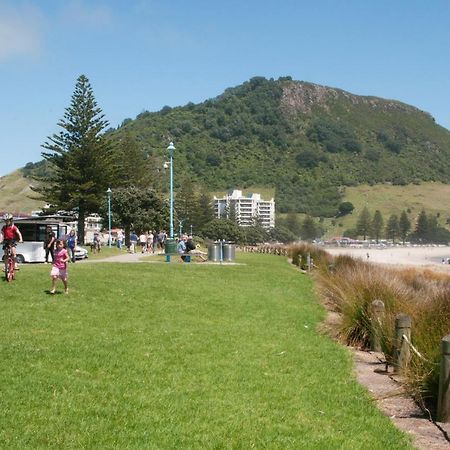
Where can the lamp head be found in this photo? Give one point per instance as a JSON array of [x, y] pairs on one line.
[[171, 148]]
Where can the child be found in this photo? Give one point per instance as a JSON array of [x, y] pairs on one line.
[[59, 268]]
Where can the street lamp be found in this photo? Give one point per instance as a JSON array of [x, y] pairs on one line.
[[181, 226], [109, 192], [171, 149]]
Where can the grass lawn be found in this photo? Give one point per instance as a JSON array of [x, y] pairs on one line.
[[178, 356]]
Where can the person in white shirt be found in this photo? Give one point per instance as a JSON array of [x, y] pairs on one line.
[[143, 242]]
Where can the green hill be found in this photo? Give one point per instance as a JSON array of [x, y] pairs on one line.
[[393, 200], [15, 194], [307, 143]]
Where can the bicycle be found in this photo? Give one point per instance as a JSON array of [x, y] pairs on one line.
[[9, 263]]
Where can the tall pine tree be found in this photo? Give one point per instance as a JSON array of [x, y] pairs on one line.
[[377, 225], [363, 224], [404, 225], [392, 228], [81, 157]]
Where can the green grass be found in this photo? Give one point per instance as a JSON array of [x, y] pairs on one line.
[[178, 356], [392, 200]]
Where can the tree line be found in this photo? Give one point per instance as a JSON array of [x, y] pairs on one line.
[[86, 162], [424, 230]]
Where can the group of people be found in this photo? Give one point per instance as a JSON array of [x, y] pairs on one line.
[[148, 242], [186, 246], [62, 251], [56, 248], [51, 243]]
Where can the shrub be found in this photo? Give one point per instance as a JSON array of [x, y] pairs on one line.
[[352, 285]]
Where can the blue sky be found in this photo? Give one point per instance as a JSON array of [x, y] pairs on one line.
[[145, 54]]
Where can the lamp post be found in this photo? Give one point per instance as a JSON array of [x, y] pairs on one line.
[[109, 192], [171, 149], [170, 245], [181, 226]]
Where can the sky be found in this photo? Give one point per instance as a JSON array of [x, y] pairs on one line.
[[145, 54]]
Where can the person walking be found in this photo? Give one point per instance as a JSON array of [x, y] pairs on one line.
[[143, 242], [150, 238], [120, 237], [133, 242], [49, 244], [71, 244], [59, 268]]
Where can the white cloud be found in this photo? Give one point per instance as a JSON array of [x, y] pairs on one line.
[[20, 31]]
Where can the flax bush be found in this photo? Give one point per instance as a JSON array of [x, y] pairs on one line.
[[351, 287], [298, 252]]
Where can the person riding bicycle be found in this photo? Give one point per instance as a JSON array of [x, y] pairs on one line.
[[9, 234]]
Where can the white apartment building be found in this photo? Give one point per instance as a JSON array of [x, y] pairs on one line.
[[245, 209]]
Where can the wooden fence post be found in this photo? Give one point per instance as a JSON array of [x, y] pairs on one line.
[[377, 320], [402, 351], [443, 411]]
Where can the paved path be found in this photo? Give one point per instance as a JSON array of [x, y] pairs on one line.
[[126, 257]]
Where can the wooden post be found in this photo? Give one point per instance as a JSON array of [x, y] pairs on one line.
[[402, 351], [443, 411], [377, 320]]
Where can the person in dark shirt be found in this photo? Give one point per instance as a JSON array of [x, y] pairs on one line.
[[192, 249], [49, 244]]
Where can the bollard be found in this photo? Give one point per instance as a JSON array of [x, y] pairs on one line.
[[402, 352], [377, 316], [443, 410]]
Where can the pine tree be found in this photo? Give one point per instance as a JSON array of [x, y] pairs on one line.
[[292, 223], [186, 203], [308, 229], [392, 228], [404, 226], [363, 223], [204, 213], [421, 230], [132, 165], [81, 157], [377, 225]]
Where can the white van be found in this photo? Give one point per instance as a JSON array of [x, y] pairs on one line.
[[33, 233]]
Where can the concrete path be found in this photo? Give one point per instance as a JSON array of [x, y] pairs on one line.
[[139, 257], [124, 257]]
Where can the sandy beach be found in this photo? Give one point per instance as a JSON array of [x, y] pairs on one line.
[[405, 256]]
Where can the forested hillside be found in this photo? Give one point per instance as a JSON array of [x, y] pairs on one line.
[[307, 141]]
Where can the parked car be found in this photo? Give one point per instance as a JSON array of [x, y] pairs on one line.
[[80, 252]]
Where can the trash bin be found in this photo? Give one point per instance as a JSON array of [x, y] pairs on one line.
[[229, 251], [214, 252], [170, 246]]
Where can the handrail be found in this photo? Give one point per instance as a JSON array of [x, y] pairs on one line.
[[414, 349]]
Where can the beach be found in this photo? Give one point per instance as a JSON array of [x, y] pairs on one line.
[[404, 256]]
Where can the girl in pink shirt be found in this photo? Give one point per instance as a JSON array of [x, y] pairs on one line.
[[59, 267]]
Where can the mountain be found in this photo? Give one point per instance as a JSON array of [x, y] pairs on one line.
[[307, 141]]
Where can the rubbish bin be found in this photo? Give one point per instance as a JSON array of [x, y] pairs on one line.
[[170, 246], [214, 252], [229, 251]]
